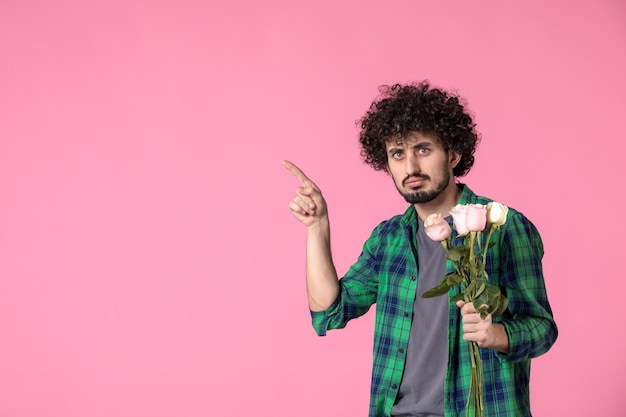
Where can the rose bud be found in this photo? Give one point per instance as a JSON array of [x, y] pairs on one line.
[[496, 213], [476, 217], [437, 228], [459, 217]]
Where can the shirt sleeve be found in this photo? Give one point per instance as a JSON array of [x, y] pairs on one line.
[[357, 289], [530, 326]]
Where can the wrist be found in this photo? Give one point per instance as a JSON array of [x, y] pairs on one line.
[[501, 338], [320, 227]]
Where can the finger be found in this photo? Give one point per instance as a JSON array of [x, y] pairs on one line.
[[305, 201], [303, 206], [469, 328], [298, 210], [297, 172], [308, 190], [470, 319], [468, 308]]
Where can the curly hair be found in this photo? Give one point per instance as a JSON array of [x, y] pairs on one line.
[[401, 109]]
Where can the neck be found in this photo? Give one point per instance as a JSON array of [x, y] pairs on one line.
[[444, 202]]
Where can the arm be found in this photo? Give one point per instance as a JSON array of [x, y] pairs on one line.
[[527, 329], [528, 322], [309, 207]]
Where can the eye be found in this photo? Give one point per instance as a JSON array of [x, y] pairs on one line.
[[396, 154], [423, 151]]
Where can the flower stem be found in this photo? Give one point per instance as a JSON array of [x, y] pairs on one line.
[[476, 383], [487, 245]]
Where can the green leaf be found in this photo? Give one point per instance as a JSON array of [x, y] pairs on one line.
[[437, 291], [479, 264], [457, 297], [455, 253], [453, 279], [481, 289], [490, 301], [440, 289], [502, 305], [483, 311], [469, 291]]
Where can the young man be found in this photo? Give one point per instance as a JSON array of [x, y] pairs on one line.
[[425, 138]]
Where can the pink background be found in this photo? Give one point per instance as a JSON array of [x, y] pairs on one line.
[[148, 262]]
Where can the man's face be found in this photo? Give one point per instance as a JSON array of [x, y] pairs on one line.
[[420, 167]]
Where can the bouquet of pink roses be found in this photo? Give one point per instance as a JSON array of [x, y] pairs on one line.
[[469, 258]]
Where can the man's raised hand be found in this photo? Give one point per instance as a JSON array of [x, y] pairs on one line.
[[308, 205]]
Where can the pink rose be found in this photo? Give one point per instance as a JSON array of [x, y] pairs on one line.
[[459, 217], [437, 228], [476, 217]]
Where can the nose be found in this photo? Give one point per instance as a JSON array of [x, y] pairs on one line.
[[412, 167]]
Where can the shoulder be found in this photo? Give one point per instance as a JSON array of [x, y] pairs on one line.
[[388, 226], [518, 227]]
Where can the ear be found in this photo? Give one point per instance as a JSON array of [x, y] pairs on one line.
[[454, 157]]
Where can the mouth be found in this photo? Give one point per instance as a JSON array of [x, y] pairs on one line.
[[414, 182]]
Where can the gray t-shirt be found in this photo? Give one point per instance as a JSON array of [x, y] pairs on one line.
[[421, 390]]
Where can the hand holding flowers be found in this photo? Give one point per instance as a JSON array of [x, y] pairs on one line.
[[469, 260]]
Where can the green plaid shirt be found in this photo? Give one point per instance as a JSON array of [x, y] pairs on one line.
[[386, 273]]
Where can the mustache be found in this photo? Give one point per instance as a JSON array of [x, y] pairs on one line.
[[419, 176]]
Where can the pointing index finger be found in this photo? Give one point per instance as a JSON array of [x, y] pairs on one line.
[[297, 172]]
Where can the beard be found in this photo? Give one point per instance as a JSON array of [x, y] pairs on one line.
[[425, 196]]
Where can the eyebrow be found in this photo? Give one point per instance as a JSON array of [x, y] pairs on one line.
[[395, 148], [400, 146]]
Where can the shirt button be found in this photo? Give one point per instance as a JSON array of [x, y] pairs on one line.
[[394, 386], [401, 350], [406, 314], [413, 278]]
